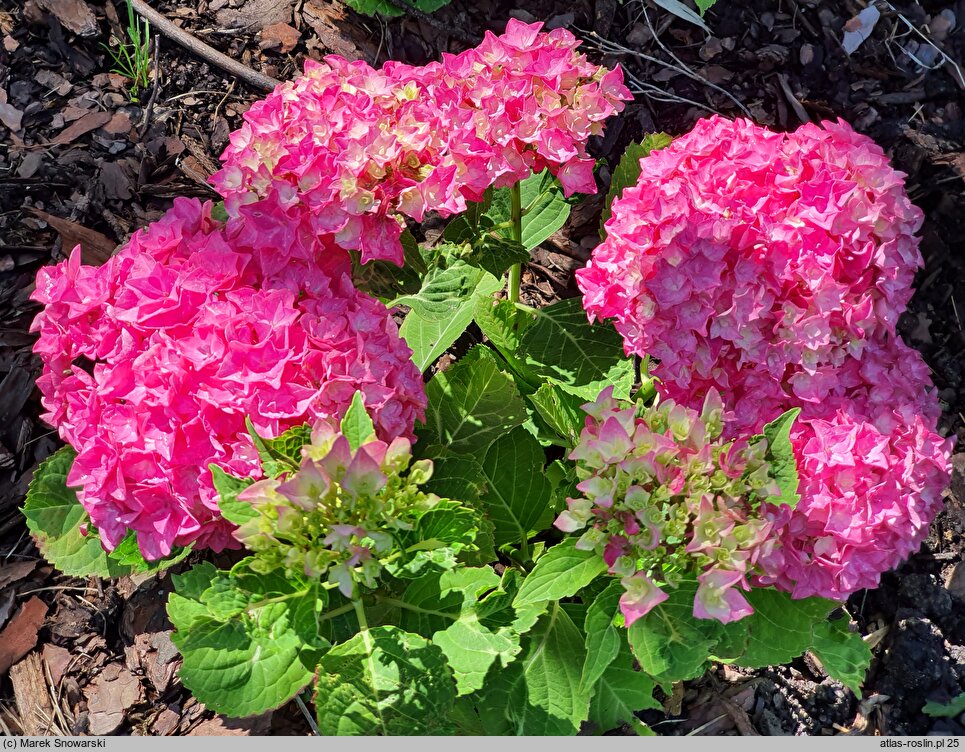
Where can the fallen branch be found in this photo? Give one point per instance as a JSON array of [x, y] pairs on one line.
[[202, 50]]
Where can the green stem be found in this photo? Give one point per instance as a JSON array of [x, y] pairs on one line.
[[336, 612], [410, 607], [516, 270], [369, 653]]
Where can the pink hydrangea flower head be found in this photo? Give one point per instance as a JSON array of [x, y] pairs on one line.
[[153, 361], [355, 148], [743, 257]]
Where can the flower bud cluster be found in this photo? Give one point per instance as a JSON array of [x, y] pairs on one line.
[[339, 515], [667, 500]]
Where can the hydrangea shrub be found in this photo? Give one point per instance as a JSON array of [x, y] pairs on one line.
[[547, 530]]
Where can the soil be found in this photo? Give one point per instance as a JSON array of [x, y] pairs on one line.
[[81, 161]]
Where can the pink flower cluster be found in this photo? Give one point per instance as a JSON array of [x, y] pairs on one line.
[[154, 360], [355, 147], [773, 267], [666, 500]]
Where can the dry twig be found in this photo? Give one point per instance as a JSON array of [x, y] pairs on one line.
[[205, 52]]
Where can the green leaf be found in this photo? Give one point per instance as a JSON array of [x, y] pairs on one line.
[[384, 681], [627, 172], [561, 410], [561, 345], [249, 643], [669, 643], [620, 692], [430, 339], [780, 455], [603, 640], [387, 9], [472, 648], [128, 554], [440, 535], [357, 426], [54, 517], [559, 573], [780, 628], [504, 322], [471, 404], [218, 212], [545, 209], [945, 710], [456, 477], [496, 254], [704, 5], [385, 280], [228, 488], [543, 685], [282, 454], [844, 655], [444, 290], [517, 494]]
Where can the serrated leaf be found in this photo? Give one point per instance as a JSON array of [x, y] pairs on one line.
[[471, 404], [387, 281], [683, 12], [704, 5], [559, 573], [561, 410], [496, 254], [443, 291], [54, 518], [516, 498], [780, 628], [949, 709], [561, 345], [620, 692], [844, 655], [545, 209], [357, 426], [627, 172], [603, 640], [249, 643], [282, 454], [387, 9], [472, 648], [430, 339], [128, 554], [384, 681], [668, 642], [228, 488], [548, 678], [780, 455], [456, 477]]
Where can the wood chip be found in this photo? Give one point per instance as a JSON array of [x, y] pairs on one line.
[[30, 690], [15, 571], [119, 123], [86, 124], [279, 36], [74, 15], [10, 116], [109, 696], [20, 635], [95, 248], [58, 660]]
